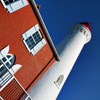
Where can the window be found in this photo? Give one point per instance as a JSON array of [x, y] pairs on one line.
[[9, 1], [59, 81], [13, 5], [8, 60], [30, 42], [33, 39], [37, 37]]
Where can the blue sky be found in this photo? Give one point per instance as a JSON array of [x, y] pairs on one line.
[[83, 82]]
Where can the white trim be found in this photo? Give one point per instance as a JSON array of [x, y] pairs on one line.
[[36, 27], [59, 81], [1, 98], [43, 41], [56, 84], [6, 83], [45, 30], [39, 33], [3, 4], [14, 5], [4, 51], [16, 67], [39, 45], [27, 97], [13, 69], [29, 33], [1, 56], [26, 46], [13, 77], [7, 60]]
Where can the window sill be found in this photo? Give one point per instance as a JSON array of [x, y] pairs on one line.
[[15, 5]]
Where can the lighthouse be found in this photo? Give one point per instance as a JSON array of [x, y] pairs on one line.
[[31, 68], [51, 83]]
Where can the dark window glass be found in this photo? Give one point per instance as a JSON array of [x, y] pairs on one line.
[[8, 65], [0, 63], [9, 1], [4, 59], [12, 61], [8, 56], [36, 37], [30, 42], [2, 70]]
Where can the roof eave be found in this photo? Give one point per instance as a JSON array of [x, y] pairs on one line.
[[41, 22]]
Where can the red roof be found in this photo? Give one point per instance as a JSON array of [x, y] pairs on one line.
[[86, 24]]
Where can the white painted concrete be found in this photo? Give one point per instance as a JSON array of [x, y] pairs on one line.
[[68, 50]]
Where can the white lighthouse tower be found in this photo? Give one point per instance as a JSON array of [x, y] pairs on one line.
[[49, 86]]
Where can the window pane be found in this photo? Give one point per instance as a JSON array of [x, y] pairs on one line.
[[4, 59], [9, 1], [8, 65], [6, 2], [30, 42], [36, 37], [8, 56], [11, 59]]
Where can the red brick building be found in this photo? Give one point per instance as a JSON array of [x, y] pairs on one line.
[[26, 49]]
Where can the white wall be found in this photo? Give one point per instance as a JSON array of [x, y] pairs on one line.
[[68, 50]]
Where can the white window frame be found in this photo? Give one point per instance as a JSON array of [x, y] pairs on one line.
[[1, 98], [13, 69], [59, 81], [15, 5], [29, 33], [7, 60]]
